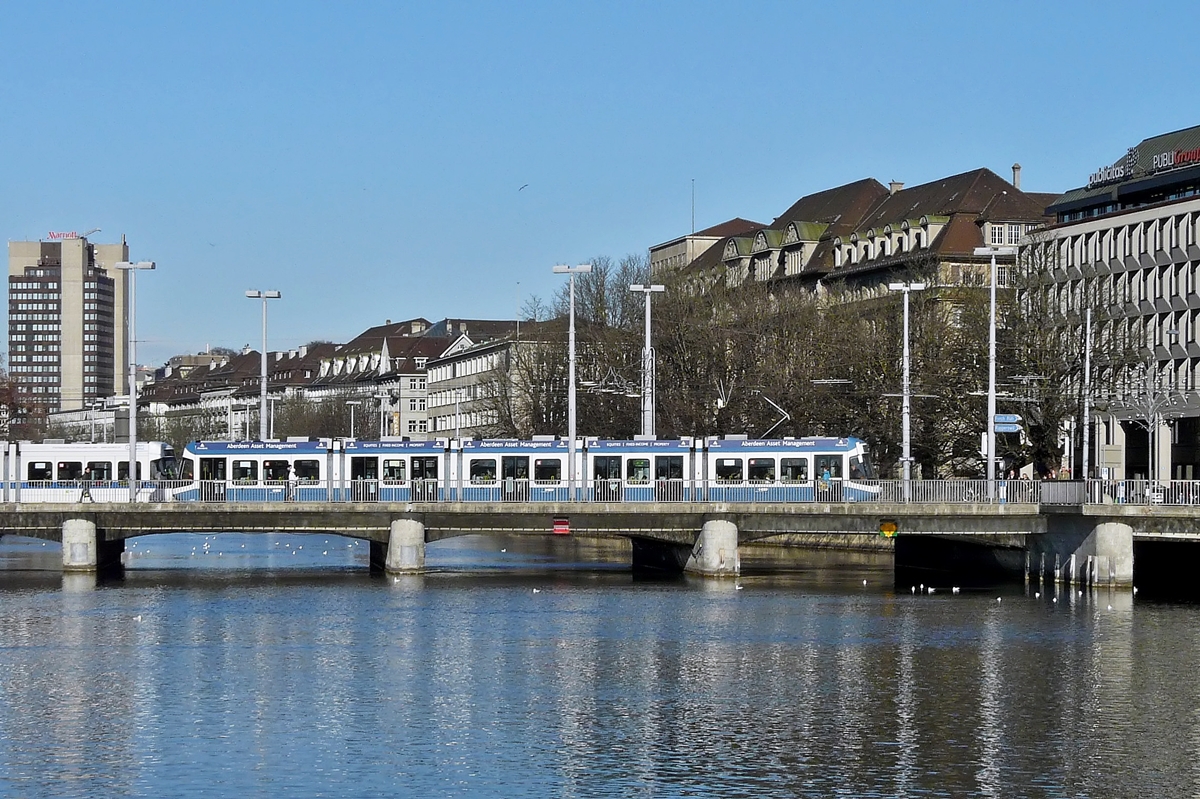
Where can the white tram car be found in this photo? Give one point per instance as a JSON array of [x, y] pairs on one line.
[[55, 471]]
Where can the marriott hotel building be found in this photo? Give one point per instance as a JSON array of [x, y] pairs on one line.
[[66, 321], [1125, 245]]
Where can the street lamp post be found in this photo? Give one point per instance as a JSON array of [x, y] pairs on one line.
[[457, 412], [92, 408], [262, 406], [133, 267], [991, 401], [906, 389], [571, 271], [384, 406], [353, 404], [647, 363]]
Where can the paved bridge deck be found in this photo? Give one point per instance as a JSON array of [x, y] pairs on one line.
[[677, 522]]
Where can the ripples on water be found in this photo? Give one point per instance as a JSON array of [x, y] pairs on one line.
[[257, 672]]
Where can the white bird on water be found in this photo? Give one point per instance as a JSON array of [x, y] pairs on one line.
[[737, 587], [864, 582], [537, 590]]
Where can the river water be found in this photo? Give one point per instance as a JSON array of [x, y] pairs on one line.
[[240, 665]]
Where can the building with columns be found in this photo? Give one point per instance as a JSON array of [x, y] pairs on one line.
[[1125, 245]]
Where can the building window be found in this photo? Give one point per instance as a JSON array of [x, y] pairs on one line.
[[997, 234]]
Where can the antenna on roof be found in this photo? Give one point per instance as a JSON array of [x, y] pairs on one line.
[[693, 206]]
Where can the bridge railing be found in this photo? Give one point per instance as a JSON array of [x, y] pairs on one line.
[[926, 492], [1143, 492]]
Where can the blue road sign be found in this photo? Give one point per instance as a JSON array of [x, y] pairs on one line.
[[1007, 418], [1008, 428]]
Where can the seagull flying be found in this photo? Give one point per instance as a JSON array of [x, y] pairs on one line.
[[523, 187]]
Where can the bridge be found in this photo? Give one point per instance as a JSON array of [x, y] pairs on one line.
[[1072, 531]]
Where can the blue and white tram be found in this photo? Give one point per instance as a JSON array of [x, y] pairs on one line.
[[56, 471], [255, 471], [508, 470], [660, 470], [307, 470], [716, 469], [392, 471], [809, 469]]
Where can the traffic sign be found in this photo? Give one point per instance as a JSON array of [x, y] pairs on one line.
[[1008, 428], [1007, 418]]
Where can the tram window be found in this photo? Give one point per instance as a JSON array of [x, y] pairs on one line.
[[123, 470], [275, 470], [41, 470], [163, 468], [548, 469], [606, 467], [514, 467], [245, 471], [860, 468], [832, 463], [364, 468], [762, 469], [187, 469], [308, 470], [394, 470], [668, 467], [99, 470], [425, 467], [729, 468], [483, 470], [637, 470], [70, 470], [793, 470], [210, 469]]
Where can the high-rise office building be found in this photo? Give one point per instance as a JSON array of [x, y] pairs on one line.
[[66, 321]]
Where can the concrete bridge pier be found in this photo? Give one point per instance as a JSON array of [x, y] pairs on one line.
[[405, 547], [1086, 552], [715, 553], [84, 548]]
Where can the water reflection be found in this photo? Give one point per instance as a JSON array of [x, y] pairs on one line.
[[529, 680]]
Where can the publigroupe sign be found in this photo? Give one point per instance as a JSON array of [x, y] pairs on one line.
[[1171, 159]]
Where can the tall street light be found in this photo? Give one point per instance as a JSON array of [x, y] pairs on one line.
[[353, 404], [133, 267], [906, 408], [458, 392], [647, 363], [571, 271], [991, 409], [262, 405]]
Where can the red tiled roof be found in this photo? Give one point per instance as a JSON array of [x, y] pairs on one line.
[[733, 227]]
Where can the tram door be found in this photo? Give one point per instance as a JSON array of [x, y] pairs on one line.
[[425, 478], [829, 475], [212, 479], [514, 473], [364, 479], [668, 478], [606, 478]]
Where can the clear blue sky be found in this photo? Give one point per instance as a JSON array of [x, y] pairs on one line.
[[366, 158]]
